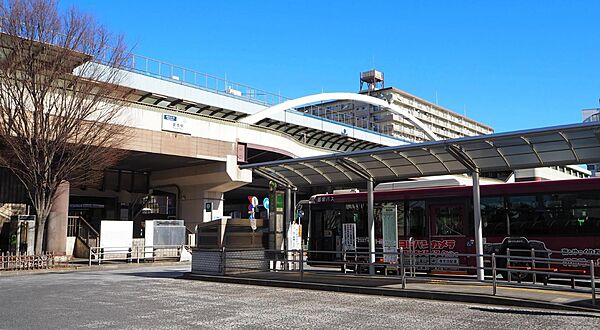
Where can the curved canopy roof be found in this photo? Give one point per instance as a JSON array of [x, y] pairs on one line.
[[290, 104], [550, 146]]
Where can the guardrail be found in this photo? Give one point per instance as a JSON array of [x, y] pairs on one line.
[[526, 269], [136, 253]]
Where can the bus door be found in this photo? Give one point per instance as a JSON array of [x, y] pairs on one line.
[[447, 240], [325, 227], [416, 232]]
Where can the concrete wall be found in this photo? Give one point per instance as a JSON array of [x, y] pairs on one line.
[[208, 138]]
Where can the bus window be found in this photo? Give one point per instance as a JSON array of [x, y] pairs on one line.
[[417, 226], [570, 214], [522, 213], [493, 217], [401, 220], [448, 220], [357, 213]]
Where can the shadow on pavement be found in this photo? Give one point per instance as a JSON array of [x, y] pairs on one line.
[[532, 313], [151, 274]]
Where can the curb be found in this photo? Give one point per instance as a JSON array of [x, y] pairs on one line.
[[404, 293], [86, 268]]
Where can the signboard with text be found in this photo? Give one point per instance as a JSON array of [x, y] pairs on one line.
[[389, 218], [294, 237], [349, 236], [175, 123]]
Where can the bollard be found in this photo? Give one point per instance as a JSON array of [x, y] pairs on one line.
[[90, 261], [533, 265], [508, 263], [593, 282], [494, 274], [223, 260], [402, 271], [301, 263]]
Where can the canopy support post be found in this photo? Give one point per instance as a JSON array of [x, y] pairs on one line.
[[371, 223], [288, 214], [478, 226], [294, 210]]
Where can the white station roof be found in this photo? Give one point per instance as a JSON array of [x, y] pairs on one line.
[[550, 146]]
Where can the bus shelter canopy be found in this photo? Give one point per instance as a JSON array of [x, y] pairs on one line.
[[550, 146]]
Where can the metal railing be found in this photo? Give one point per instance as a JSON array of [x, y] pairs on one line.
[[79, 227], [526, 269], [136, 253], [177, 74], [16, 261]]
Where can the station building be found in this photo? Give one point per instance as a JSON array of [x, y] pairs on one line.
[[177, 172]]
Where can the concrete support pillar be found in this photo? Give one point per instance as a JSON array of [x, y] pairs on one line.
[[478, 226], [192, 205], [371, 224], [56, 235]]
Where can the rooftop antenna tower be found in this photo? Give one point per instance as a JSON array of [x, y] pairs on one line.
[[373, 80]]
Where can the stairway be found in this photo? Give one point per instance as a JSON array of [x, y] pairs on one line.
[[86, 236]]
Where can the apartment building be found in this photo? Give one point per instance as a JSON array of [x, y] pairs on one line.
[[446, 123]]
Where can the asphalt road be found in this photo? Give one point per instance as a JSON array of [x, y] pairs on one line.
[[153, 298]]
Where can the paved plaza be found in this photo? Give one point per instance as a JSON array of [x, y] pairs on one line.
[[155, 298]]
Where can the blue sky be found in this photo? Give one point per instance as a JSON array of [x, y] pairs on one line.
[[509, 64]]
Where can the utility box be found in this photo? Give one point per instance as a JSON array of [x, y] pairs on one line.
[[164, 233]]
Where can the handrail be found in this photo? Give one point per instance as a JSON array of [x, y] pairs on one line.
[[88, 231], [142, 252], [178, 74], [89, 226]]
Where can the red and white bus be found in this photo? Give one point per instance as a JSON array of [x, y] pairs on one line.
[[562, 216]]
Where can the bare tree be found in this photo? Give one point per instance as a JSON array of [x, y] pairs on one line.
[[60, 100]]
